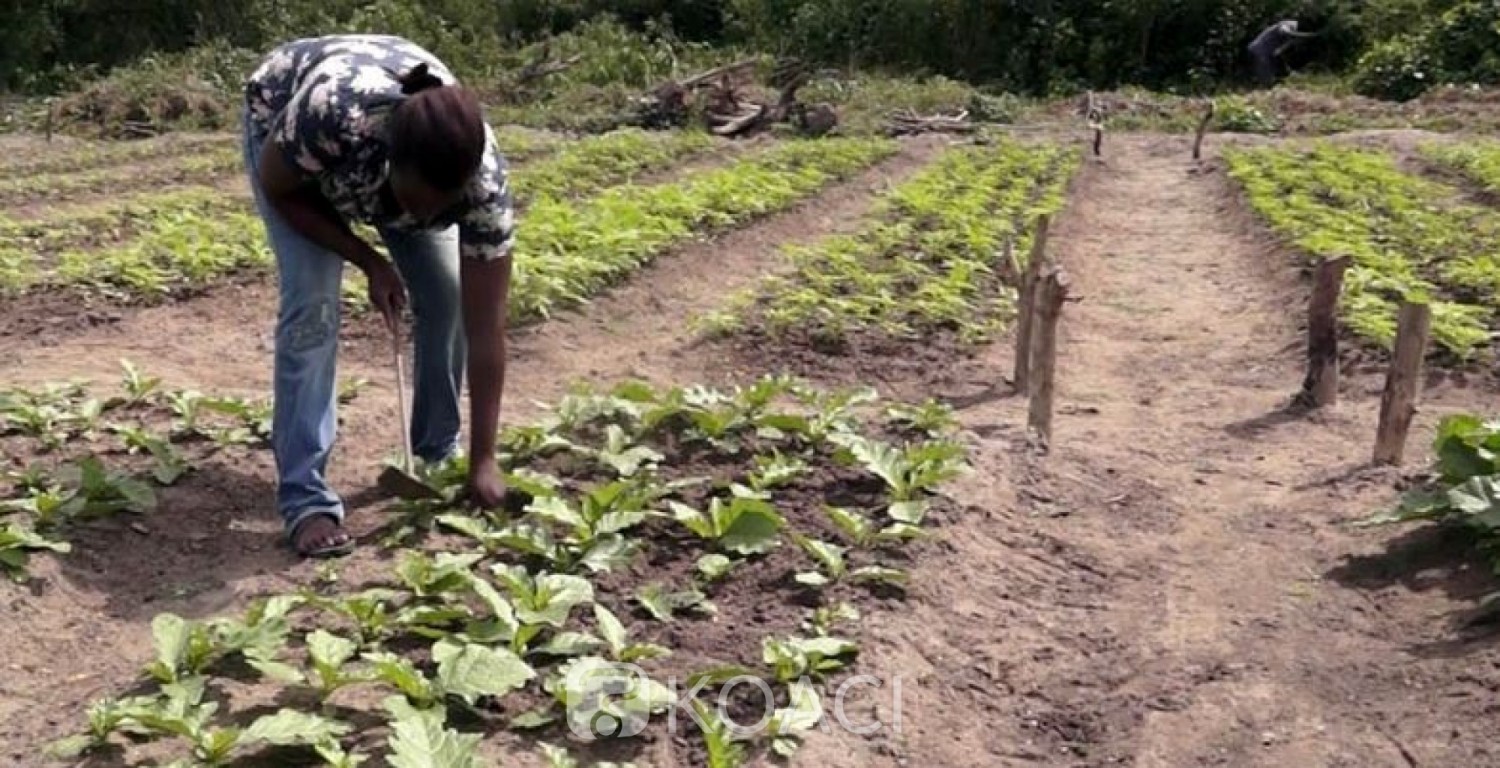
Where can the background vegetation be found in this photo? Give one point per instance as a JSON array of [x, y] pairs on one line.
[[187, 52]]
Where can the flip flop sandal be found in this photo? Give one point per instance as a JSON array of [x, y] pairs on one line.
[[341, 542]]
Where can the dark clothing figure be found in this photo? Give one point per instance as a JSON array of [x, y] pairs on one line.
[[1267, 48]]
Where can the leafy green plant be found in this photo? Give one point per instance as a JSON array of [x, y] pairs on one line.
[[420, 738], [83, 490], [469, 670], [863, 532], [908, 472], [664, 605], [803, 712], [170, 465], [713, 567], [612, 638], [724, 750], [138, 387], [833, 568], [592, 530], [744, 525], [1466, 491], [826, 618], [16, 545], [933, 417], [542, 600], [53, 415], [578, 684], [793, 658]]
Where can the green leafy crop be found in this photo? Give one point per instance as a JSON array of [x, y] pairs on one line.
[[1410, 239], [928, 260], [509, 624]]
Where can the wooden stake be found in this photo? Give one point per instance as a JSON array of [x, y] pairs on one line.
[[1026, 300], [1052, 291], [1202, 129], [1403, 382], [1096, 123], [1321, 387]]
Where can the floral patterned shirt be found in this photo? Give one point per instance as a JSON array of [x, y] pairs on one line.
[[325, 102]]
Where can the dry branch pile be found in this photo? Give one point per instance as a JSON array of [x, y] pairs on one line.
[[731, 104], [907, 122]]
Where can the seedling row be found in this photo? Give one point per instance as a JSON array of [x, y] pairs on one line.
[[929, 261], [96, 156], [91, 455], [569, 251], [1410, 238], [194, 168], [643, 516], [153, 245]]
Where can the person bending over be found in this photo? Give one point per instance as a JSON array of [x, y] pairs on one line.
[[374, 129]]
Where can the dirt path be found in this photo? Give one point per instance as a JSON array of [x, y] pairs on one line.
[[1170, 587]]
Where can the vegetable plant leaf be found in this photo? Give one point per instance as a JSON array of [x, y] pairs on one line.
[[714, 566], [611, 629], [890, 576], [288, 727], [830, 557], [571, 644], [402, 675], [754, 527], [609, 552], [470, 671], [663, 605], [803, 712], [419, 739], [536, 718]]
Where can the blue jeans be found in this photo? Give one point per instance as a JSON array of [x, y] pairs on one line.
[[304, 422]]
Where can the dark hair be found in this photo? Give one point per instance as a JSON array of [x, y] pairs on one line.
[[438, 130]]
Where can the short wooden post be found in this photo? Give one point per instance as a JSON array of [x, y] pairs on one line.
[[1403, 382], [1052, 292], [1026, 301], [1096, 123], [1208, 117], [1321, 387]]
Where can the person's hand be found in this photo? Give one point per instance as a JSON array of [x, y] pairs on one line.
[[387, 292], [486, 488]]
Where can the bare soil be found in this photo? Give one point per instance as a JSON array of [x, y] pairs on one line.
[[1172, 585], [1175, 585]]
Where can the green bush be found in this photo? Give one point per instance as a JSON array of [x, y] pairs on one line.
[[1398, 70], [1462, 45]]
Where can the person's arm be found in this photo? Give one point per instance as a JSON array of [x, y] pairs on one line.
[[486, 242], [486, 304], [316, 134], [307, 211]]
